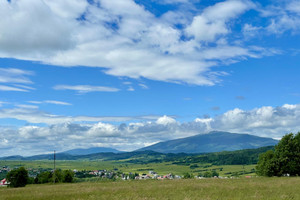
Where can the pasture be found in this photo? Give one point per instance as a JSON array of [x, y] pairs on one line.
[[188, 189]]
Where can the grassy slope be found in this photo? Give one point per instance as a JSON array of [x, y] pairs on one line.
[[255, 188]]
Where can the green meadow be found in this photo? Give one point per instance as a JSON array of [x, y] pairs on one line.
[[205, 189]]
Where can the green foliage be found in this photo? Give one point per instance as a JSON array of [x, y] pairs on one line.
[[58, 176], [285, 159], [209, 174], [188, 175], [66, 176], [44, 177], [17, 177]]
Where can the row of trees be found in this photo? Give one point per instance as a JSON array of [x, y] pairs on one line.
[[60, 176], [19, 177], [283, 160]]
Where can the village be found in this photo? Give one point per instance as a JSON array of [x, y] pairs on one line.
[[115, 174]]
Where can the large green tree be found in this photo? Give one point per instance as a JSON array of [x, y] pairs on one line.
[[18, 177], [285, 159]]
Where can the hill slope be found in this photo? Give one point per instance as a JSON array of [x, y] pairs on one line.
[[211, 142], [91, 151]]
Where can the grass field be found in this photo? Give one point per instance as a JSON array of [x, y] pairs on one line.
[[206, 189], [160, 168]]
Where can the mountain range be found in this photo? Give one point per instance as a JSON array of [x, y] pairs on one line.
[[91, 150], [215, 141]]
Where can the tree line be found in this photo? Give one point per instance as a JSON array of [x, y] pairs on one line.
[[19, 177]]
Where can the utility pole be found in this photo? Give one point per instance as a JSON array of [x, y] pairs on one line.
[[54, 168]]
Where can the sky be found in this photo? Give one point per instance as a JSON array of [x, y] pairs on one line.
[[126, 74]]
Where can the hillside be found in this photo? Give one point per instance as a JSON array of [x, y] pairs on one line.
[[211, 142], [91, 151], [239, 157]]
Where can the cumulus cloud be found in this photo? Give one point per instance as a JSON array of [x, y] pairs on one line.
[[266, 121], [123, 37], [213, 21]]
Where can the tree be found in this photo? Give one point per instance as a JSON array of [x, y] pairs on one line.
[[68, 176], [58, 175], [285, 159], [44, 177], [17, 177]]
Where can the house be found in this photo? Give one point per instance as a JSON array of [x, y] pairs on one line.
[[3, 182]]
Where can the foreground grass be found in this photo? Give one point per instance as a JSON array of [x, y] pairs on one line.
[[206, 189]]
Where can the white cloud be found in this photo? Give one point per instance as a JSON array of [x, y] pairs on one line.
[[51, 102], [213, 21], [2, 102], [165, 120], [57, 102], [143, 86], [283, 17], [294, 6], [265, 121], [85, 88], [11, 88], [250, 31], [13, 75], [31, 114], [130, 88], [27, 106], [14, 80], [122, 37]]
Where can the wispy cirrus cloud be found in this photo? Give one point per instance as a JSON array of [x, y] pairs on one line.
[[51, 102], [13, 75], [15, 80], [82, 89], [11, 88], [32, 114]]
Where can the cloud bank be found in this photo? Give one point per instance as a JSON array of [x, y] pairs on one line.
[[265, 121]]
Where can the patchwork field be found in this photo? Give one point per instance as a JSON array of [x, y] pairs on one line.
[[206, 189]]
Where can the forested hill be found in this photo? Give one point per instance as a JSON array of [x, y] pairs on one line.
[[247, 156]]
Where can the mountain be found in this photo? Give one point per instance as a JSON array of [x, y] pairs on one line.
[[215, 141], [92, 150]]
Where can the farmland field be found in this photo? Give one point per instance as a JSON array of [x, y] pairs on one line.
[[242, 188], [160, 168]]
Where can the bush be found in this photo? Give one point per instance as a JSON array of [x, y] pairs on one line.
[[18, 177]]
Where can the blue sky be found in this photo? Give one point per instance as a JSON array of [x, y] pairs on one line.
[[127, 74]]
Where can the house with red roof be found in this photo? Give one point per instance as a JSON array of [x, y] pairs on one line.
[[3, 182]]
